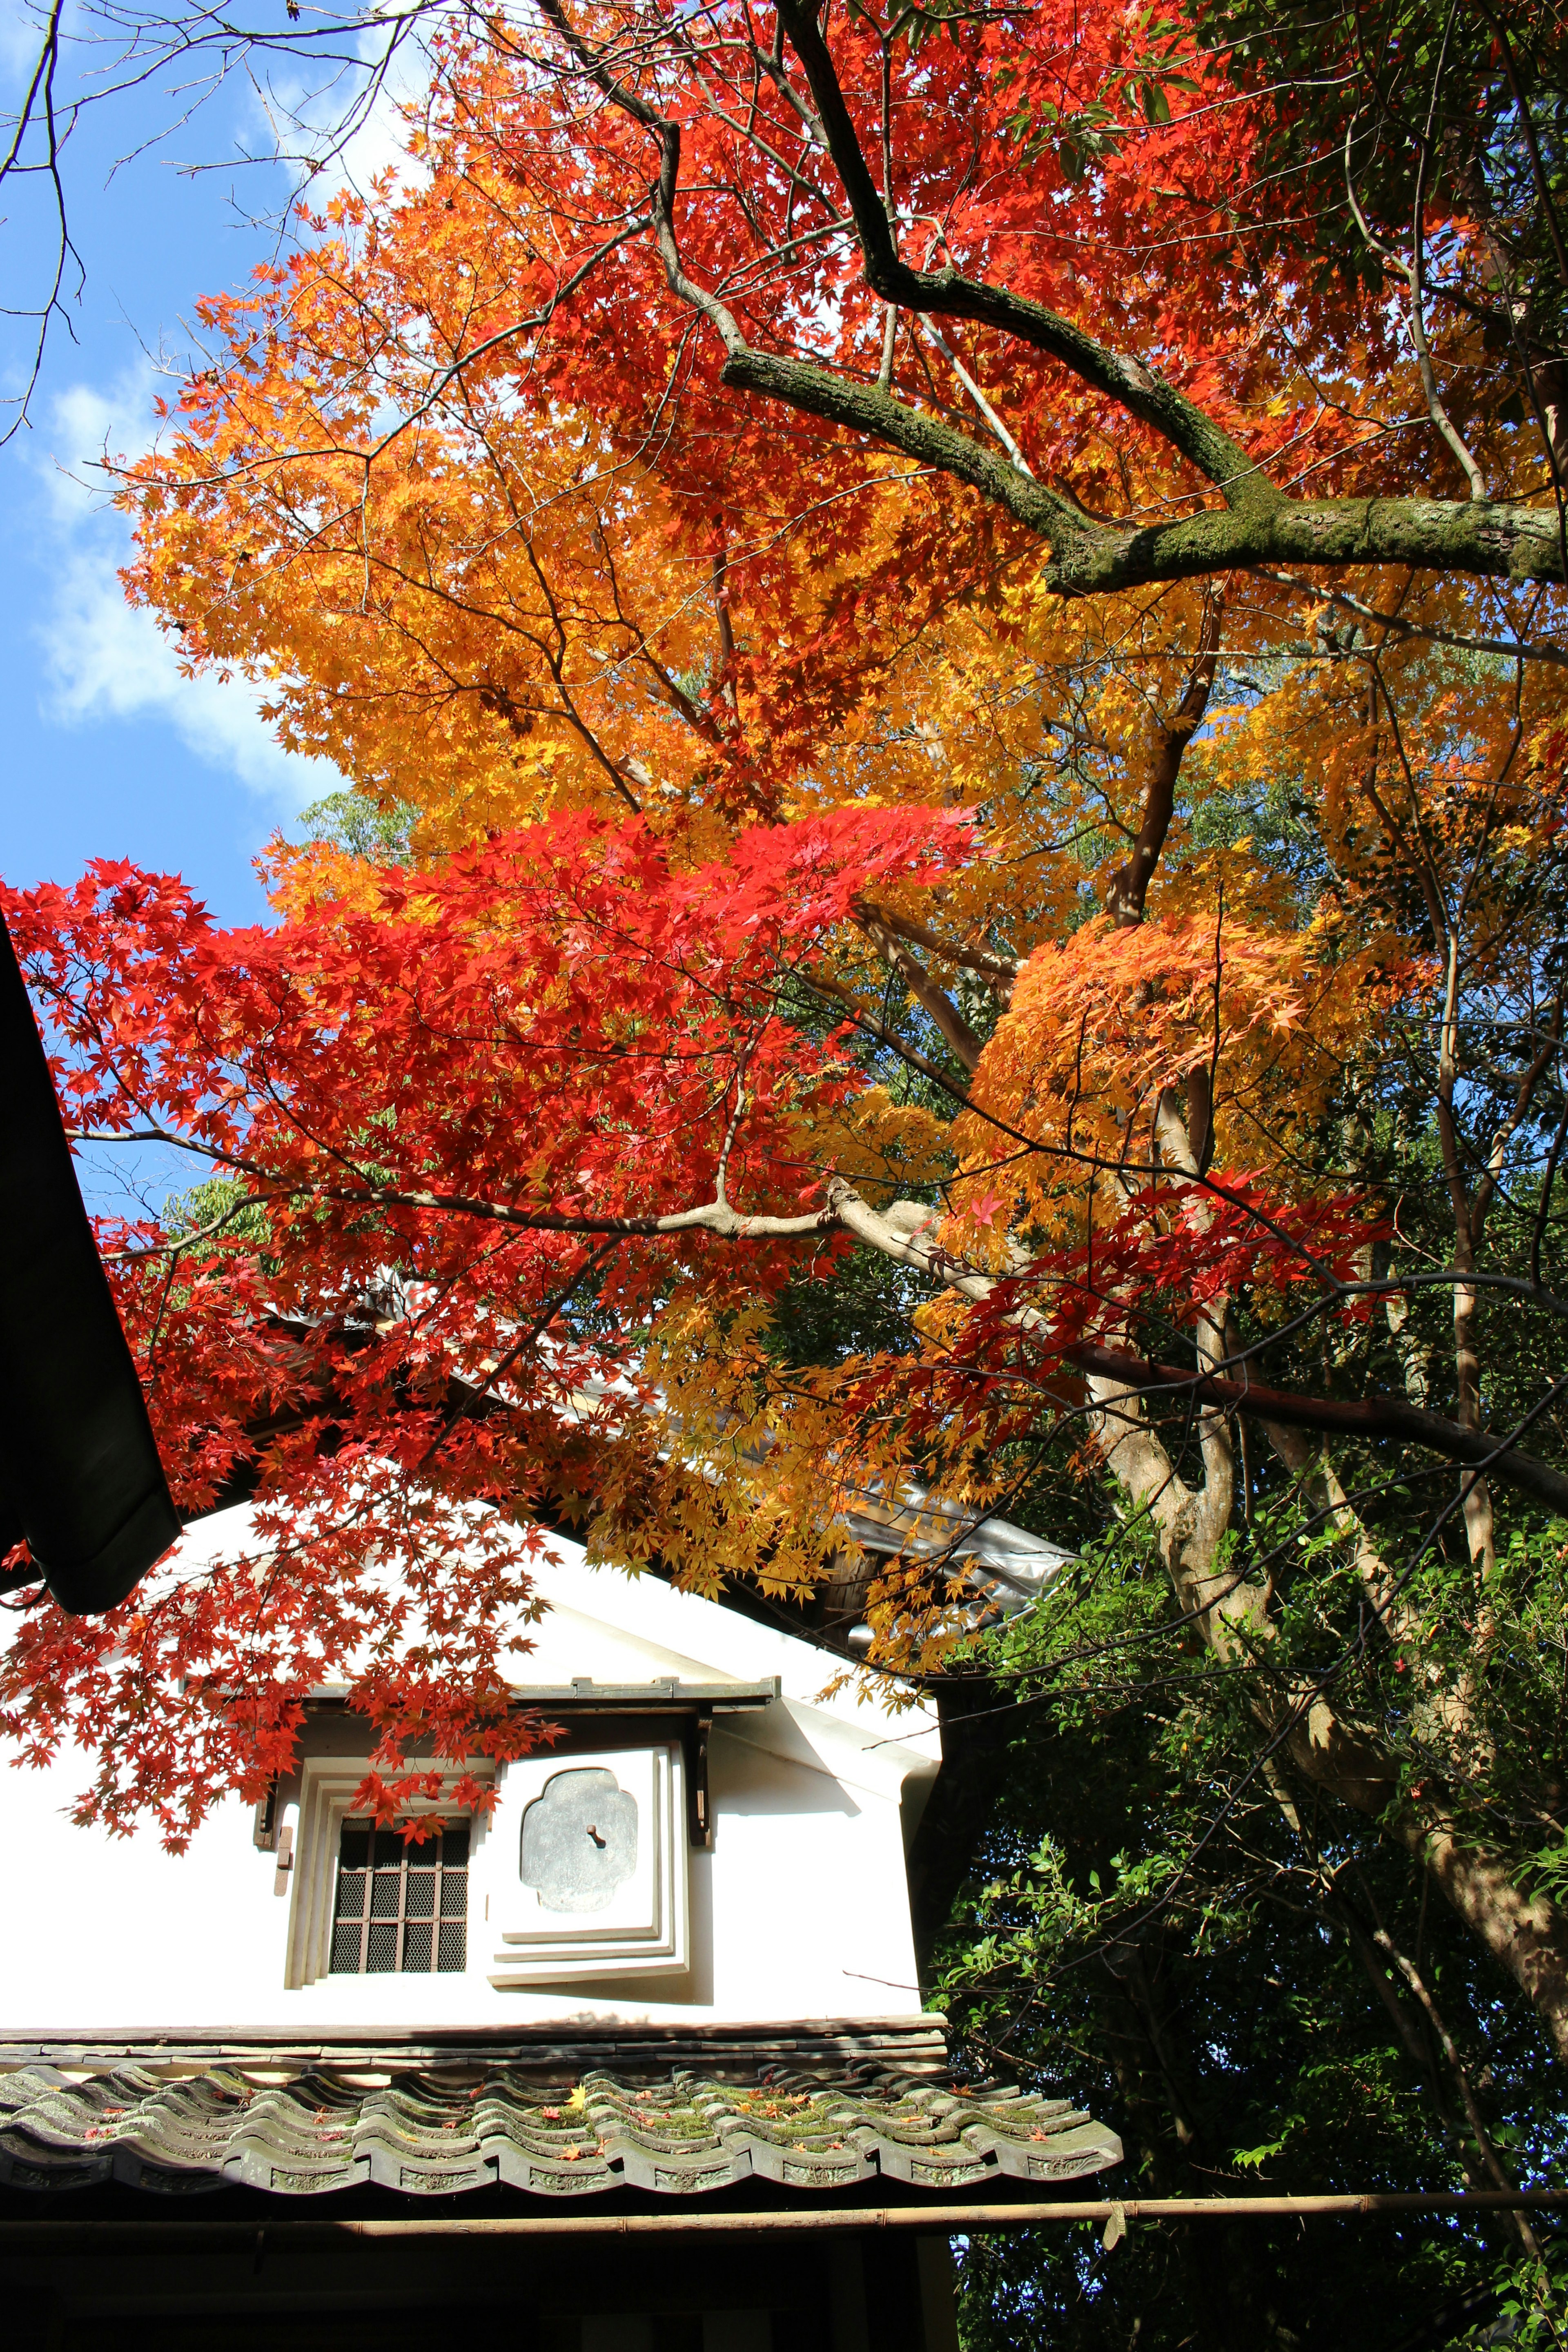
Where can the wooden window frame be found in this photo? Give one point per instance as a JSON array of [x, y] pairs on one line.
[[327, 1786], [391, 1864]]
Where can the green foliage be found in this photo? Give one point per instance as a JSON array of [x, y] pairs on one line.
[[380, 832], [860, 1305], [217, 1210], [1482, 92], [1148, 1934], [1531, 2298]]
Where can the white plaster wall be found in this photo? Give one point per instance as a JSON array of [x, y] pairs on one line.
[[801, 1908]]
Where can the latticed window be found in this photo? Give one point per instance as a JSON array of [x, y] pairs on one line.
[[401, 1907]]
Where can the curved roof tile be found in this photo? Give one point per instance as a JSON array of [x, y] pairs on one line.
[[679, 2132]]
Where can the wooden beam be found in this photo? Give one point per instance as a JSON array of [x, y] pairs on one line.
[[52, 2235]]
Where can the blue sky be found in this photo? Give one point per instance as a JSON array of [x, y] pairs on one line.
[[111, 752]]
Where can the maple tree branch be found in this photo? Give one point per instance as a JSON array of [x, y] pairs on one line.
[[803, 187], [1137, 389], [536, 320], [772, 65], [1485, 538], [1515, 648], [1414, 274], [1003, 969], [1335, 1291], [1362, 1417], [870, 1025], [971, 387], [666, 136], [471, 1398], [555, 662], [866, 409], [933, 999], [712, 1216], [901, 1234], [732, 1128], [179, 1243], [1130, 884], [1257, 527], [720, 576]]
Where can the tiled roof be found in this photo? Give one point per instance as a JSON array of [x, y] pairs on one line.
[[679, 2132]]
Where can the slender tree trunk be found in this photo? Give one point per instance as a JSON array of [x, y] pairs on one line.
[[1527, 1935]]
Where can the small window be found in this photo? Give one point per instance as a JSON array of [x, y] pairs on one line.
[[400, 1908]]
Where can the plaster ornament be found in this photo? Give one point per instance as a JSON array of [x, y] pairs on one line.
[[579, 1840]]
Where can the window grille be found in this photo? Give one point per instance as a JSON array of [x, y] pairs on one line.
[[400, 1908]]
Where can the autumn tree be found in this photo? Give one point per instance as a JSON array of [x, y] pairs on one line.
[[978, 701]]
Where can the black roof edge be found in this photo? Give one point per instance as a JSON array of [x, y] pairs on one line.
[[81, 1479]]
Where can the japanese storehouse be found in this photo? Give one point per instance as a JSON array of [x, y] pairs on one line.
[[641, 2042]]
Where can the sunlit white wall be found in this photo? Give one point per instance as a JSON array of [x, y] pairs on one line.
[[800, 1909]]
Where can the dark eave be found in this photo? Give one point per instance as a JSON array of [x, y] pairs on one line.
[[79, 1474], [583, 1695]]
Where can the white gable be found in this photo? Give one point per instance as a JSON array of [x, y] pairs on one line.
[[798, 1908]]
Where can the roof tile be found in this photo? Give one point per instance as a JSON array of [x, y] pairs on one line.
[[677, 2133]]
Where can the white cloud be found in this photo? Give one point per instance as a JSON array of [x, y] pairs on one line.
[[86, 424], [22, 28], [302, 117], [105, 660], [380, 142]]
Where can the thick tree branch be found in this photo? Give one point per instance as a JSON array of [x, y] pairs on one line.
[[1257, 528], [1130, 884], [870, 1025], [1137, 389], [935, 1001], [866, 408], [1002, 970], [1369, 1418], [1480, 538]]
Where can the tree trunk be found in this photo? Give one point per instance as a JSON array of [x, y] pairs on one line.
[[1527, 1935]]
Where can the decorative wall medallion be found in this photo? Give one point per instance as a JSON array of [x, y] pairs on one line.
[[579, 1840], [601, 1850]]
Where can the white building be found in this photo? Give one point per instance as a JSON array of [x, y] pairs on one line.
[[790, 1901], [669, 1980]]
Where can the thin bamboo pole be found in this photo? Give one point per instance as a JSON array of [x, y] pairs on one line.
[[50, 2233]]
